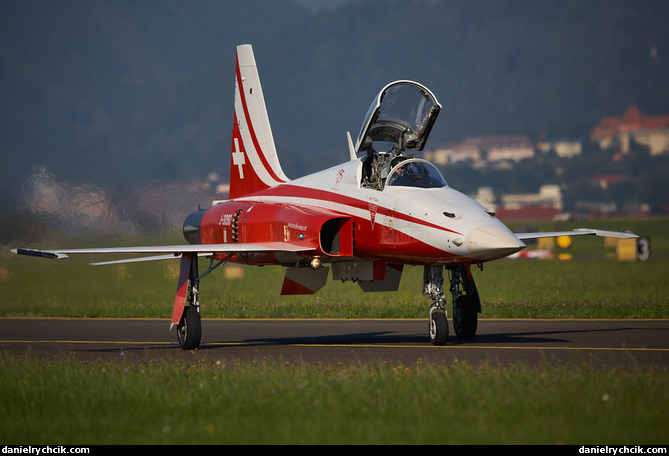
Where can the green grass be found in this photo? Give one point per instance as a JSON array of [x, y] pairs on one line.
[[508, 289], [267, 401]]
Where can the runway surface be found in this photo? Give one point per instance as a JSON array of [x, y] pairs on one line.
[[610, 342]]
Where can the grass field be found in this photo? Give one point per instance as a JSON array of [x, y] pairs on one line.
[[70, 401], [266, 401]]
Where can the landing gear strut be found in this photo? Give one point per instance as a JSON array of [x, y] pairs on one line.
[[189, 329], [466, 302], [433, 281]]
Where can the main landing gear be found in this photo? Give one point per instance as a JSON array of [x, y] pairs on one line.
[[189, 329], [466, 302]]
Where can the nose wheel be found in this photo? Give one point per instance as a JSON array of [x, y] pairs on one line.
[[433, 280], [438, 326]]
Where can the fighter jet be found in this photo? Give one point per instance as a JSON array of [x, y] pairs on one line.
[[363, 220]]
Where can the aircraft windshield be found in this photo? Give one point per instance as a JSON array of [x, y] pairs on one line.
[[416, 173]]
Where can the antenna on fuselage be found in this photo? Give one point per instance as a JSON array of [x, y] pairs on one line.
[[351, 149]]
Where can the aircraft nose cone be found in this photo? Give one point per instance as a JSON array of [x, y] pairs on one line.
[[492, 242]]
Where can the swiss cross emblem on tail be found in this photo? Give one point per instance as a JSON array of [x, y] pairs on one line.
[[238, 157]]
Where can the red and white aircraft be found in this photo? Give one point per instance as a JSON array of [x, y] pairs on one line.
[[366, 218]]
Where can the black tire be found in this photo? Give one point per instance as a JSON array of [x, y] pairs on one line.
[[438, 328], [465, 316], [189, 329]]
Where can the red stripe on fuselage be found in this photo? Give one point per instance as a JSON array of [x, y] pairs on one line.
[[294, 191]]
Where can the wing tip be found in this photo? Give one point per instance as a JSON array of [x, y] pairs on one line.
[[40, 253], [578, 232], [606, 233]]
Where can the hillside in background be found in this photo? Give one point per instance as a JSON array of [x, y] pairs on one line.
[[121, 93]]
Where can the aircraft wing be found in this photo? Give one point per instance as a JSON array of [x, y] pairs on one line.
[[169, 251], [576, 232], [173, 251]]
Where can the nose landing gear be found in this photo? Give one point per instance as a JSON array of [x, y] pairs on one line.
[[433, 280], [466, 302]]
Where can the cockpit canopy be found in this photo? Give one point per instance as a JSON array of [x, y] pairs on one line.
[[415, 173], [402, 113]]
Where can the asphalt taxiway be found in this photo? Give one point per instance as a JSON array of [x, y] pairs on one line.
[[610, 342]]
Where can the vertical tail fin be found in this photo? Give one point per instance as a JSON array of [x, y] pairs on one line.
[[254, 163]]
